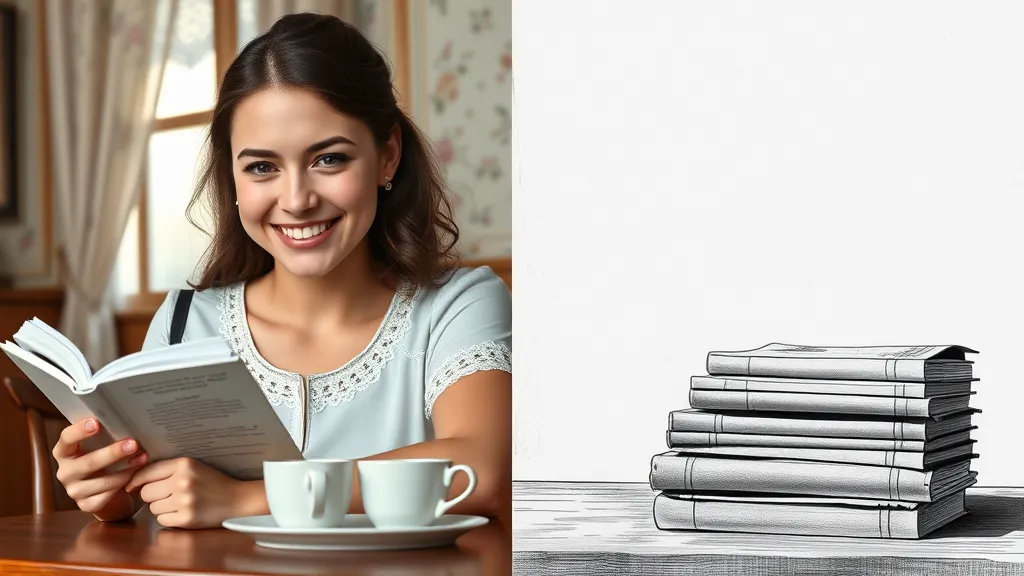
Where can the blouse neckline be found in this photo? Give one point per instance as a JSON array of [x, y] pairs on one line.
[[326, 388]]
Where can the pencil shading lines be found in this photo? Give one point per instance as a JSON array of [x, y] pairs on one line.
[[805, 349]]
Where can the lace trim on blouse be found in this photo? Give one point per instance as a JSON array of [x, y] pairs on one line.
[[490, 355], [326, 389]]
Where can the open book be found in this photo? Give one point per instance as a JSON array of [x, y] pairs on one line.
[[195, 399]]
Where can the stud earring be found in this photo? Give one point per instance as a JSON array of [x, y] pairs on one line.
[[387, 182], [236, 202]]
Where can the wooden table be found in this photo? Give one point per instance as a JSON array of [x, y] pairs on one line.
[[573, 529], [68, 543]]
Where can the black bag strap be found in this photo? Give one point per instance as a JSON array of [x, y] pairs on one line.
[[180, 315]]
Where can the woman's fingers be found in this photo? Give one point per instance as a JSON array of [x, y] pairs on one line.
[[67, 445], [89, 487], [156, 491], [96, 502], [164, 506], [85, 476], [95, 461]]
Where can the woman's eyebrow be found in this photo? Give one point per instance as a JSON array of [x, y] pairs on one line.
[[261, 153]]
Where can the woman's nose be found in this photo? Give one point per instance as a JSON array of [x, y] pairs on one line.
[[299, 197]]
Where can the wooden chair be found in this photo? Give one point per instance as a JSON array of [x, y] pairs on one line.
[[45, 423]]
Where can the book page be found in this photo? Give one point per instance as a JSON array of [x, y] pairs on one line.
[[183, 355], [787, 499], [215, 413], [38, 337]]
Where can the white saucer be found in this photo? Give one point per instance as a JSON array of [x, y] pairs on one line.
[[357, 533]]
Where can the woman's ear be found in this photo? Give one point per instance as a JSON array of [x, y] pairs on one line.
[[391, 154]]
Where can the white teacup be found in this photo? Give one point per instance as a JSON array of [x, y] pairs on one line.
[[308, 493], [409, 493]]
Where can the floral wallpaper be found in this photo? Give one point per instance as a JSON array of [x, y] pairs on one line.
[[462, 93]]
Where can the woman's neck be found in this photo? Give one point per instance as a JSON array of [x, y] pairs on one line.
[[346, 294]]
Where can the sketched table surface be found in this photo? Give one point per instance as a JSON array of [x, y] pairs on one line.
[[608, 528]]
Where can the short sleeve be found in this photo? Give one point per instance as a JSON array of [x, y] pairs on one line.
[[471, 331], [159, 327]]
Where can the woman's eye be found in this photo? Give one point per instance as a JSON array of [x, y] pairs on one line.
[[331, 160], [258, 168]]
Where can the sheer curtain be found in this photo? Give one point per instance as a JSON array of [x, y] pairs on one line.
[[105, 60]]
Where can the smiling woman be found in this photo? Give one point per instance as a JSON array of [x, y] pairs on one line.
[[332, 273]]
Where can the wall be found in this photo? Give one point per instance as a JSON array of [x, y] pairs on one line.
[[26, 246], [702, 176], [461, 81]]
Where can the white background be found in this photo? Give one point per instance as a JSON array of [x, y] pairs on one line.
[[719, 175]]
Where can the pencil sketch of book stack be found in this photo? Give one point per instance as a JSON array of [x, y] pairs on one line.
[[841, 441]]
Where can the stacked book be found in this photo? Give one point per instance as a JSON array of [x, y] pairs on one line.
[[837, 441]]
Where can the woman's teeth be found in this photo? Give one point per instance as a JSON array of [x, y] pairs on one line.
[[307, 231]]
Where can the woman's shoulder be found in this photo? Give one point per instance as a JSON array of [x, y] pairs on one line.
[[206, 301], [471, 307], [206, 308], [467, 326], [464, 287]]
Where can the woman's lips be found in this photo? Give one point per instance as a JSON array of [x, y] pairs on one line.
[[305, 236]]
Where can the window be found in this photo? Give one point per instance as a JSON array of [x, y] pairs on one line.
[[161, 247]]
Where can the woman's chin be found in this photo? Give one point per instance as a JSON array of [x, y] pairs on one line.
[[307, 266]]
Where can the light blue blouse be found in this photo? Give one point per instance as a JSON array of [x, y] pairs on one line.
[[382, 398]]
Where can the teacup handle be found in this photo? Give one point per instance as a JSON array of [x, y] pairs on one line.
[[316, 484], [444, 506]]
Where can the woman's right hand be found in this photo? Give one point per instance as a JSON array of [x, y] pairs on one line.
[[84, 475]]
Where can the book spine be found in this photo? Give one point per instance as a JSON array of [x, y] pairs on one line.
[[771, 518], [878, 369], [683, 421], [694, 473], [808, 386], [911, 460], [711, 439], [824, 403]]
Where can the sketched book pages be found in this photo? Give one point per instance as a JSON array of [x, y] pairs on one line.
[[884, 363], [738, 400], [822, 426], [725, 439], [842, 387], [195, 399], [895, 458], [687, 512]]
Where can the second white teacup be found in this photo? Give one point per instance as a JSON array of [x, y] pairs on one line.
[[409, 493], [308, 493]]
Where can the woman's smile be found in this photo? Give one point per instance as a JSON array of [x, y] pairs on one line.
[[307, 235]]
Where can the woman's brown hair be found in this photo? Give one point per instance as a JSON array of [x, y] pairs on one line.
[[414, 232]]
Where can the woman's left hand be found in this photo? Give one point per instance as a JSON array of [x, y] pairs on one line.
[[185, 493]]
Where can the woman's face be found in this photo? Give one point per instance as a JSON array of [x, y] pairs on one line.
[[306, 178]]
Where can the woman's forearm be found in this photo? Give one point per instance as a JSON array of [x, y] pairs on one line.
[[253, 499]]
